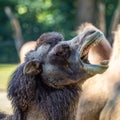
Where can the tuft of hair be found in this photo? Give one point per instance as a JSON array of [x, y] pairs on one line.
[[49, 38]]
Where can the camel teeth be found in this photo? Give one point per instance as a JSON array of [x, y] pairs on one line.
[[94, 44], [97, 42]]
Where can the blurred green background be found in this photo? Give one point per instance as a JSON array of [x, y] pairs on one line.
[[39, 16]]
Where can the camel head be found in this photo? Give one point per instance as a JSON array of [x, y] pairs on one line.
[[62, 63]]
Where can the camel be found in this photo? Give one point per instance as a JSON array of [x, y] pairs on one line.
[[26, 47], [100, 98], [47, 86], [111, 110]]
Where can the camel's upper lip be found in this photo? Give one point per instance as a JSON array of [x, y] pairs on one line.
[[90, 41]]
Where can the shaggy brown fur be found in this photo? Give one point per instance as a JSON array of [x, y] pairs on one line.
[[2, 115]]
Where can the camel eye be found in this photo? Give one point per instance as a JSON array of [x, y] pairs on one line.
[[60, 53], [63, 51], [67, 66]]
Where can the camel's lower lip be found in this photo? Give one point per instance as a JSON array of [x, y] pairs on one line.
[[95, 69]]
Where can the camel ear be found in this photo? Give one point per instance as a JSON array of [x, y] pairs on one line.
[[33, 67]]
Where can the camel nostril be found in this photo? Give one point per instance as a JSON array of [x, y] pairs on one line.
[[60, 53], [59, 50], [90, 32]]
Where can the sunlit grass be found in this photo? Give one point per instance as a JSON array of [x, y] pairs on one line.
[[5, 72], [5, 103]]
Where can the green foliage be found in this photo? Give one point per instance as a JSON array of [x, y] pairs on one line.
[[46, 15], [37, 17], [110, 8]]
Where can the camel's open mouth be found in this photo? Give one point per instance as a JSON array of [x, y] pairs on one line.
[[92, 39]]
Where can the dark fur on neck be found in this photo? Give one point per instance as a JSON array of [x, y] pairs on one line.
[[57, 104]]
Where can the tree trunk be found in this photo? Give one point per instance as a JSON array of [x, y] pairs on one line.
[[86, 11], [114, 22], [116, 17], [16, 27], [101, 17]]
